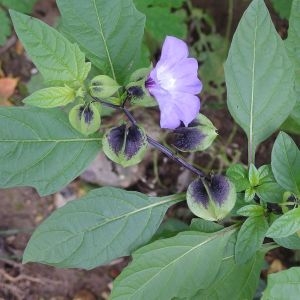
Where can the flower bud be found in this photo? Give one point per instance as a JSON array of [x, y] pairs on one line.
[[211, 199], [103, 87], [125, 145], [198, 136], [86, 118]]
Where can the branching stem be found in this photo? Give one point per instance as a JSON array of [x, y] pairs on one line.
[[153, 142]]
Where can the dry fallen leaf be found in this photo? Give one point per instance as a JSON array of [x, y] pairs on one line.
[[7, 87]]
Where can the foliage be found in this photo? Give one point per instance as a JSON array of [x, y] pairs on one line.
[[24, 6], [51, 140]]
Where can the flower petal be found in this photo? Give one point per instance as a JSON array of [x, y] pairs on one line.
[[173, 51], [186, 76], [188, 106]]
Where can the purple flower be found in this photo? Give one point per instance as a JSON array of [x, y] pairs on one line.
[[174, 84]]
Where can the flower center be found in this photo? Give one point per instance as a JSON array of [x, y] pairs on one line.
[[168, 81]]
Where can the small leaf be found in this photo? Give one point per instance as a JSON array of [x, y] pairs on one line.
[[268, 189], [51, 97], [109, 32], [157, 266], [253, 176], [238, 175], [283, 285], [286, 163], [250, 238], [251, 210], [103, 225], [249, 194], [86, 118], [59, 61], [259, 82], [205, 226], [125, 145], [39, 148], [170, 228], [286, 225]]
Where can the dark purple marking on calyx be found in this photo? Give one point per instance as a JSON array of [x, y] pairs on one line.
[[219, 188], [198, 192], [134, 141], [87, 113], [116, 138], [186, 138], [135, 92]]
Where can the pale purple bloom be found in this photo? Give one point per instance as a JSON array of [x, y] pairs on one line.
[[174, 84]]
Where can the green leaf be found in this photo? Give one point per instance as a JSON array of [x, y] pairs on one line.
[[286, 225], [161, 20], [51, 97], [268, 189], [251, 210], [250, 238], [39, 148], [253, 175], [233, 281], [24, 6], [290, 242], [170, 228], [259, 81], [286, 163], [59, 61], [5, 28], [109, 32], [205, 226], [238, 175], [174, 267], [283, 285], [283, 7], [103, 225], [293, 48]]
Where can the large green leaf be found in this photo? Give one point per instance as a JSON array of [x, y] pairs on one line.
[[293, 48], [160, 21], [285, 163], [39, 148], [290, 242], [283, 285], [101, 226], [59, 61], [250, 238], [259, 76], [174, 267], [24, 6], [109, 32], [283, 7], [286, 225], [234, 282], [5, 28]]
